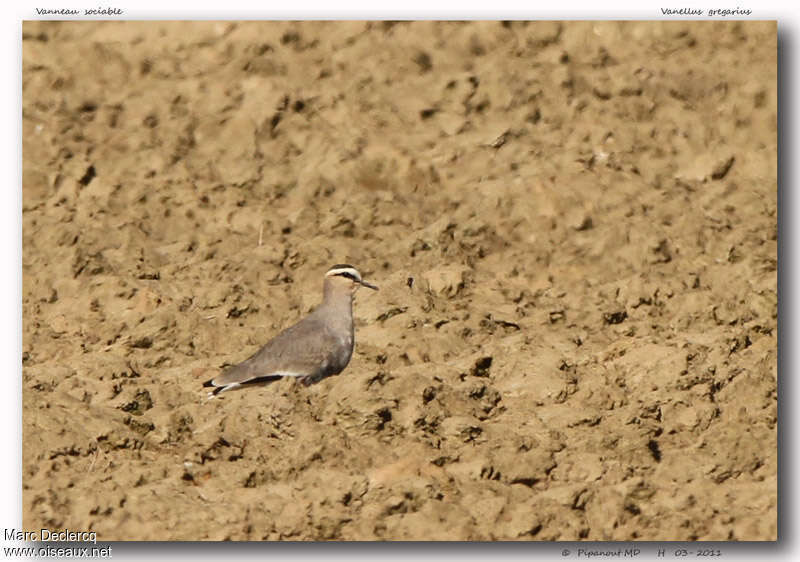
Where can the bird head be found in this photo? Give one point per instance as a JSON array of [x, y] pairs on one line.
[[347, 277]]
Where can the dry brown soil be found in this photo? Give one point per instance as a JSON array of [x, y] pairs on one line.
[[588, 212]]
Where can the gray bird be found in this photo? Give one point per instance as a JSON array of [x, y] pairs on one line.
[[318, 346]]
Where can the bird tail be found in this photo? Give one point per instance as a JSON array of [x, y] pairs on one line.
[[215, 389], [230, 386]]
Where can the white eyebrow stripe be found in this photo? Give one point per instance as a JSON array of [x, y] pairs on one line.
[[341, 270]]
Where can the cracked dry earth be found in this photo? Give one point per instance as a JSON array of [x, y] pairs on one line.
[[573, 226]]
